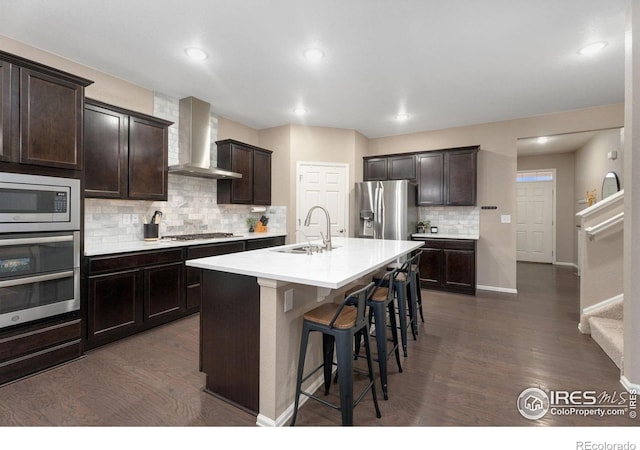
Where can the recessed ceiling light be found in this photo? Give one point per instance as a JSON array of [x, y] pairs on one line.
[[300, 111], [593, 48], [196, 53], [402, 117], [313, 54], [542, 140]]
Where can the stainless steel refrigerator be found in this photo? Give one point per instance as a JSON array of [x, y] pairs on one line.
[[385, 209]]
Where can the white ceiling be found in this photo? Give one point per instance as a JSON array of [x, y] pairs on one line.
[[560, 143], [444, 62]]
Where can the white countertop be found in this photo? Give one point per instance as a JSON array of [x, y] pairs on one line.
[[136, 246], [350, 259], [474, 237]]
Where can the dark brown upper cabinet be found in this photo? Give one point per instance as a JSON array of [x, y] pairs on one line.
[[448, 177], [126, 153], [430, 179], [5, 110], [393, 167], [41, 114], [254, 163]]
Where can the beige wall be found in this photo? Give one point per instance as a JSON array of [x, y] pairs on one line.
[[105, 87], [566, 234], [592, 163], [228, 129], [278, 140]]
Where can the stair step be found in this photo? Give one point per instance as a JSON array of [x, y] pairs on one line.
[[608, 333]]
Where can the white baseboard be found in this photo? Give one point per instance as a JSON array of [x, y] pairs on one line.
[[282, 419], [569, 264], [629, 386], [603, 304], [497, 289]]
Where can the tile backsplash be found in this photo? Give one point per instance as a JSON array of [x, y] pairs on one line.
[[191, 206], [452, 219]]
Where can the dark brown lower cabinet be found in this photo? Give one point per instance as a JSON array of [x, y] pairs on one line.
[[194, 275], [132, 292], [230, 338], [146, 291], [449, 264], [32, 348]]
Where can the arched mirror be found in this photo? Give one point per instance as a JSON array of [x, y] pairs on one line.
[[610, 185]]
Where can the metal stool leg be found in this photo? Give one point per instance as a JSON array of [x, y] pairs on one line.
[[412, 297], [394, 334], [371, 378], [401, 291], [303, 353], [345, 378], [381, 342]]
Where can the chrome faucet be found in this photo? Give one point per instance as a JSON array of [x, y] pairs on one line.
[[326, 240]]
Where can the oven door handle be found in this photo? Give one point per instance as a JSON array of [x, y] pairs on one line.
[[36, 279], [37, 240]]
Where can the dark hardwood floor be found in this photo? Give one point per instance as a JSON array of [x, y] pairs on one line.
[[472, 358]]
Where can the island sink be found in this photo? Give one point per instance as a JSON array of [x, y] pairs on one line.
[[305, 249]]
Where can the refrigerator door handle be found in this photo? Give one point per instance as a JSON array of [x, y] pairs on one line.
[[379, 212]]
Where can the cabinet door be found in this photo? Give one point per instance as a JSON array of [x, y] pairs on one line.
[[242, 162], [163, 294], [460, 177], [105, 152], [430, 179], [401, 167], [430, 267], [5, 111], [148, 154], [261, 178], [375, 169], [50, 121], [115, 305], [459, 269]]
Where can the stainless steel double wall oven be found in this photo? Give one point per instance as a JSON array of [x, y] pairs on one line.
[[39, 247]]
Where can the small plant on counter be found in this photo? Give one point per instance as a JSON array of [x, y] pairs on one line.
[[251, 223], [423, 227]]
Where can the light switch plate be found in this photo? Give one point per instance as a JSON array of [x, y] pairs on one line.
[[505, 218]]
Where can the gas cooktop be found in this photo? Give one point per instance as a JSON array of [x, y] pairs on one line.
[[191, 237]]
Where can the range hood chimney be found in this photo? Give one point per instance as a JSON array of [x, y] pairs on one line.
[[194, 154]]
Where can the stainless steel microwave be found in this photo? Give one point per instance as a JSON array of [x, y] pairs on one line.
[[38, 203]]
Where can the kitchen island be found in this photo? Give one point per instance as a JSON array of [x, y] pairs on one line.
[[251, 316]]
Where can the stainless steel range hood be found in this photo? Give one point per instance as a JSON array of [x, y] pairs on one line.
[[194, 155]]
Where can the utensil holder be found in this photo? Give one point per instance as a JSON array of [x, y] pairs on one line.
[[150, 231]]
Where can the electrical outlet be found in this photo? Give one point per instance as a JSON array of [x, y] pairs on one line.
[[505, 218], [288, 300]]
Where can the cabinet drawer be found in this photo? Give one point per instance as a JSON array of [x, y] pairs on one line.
[[453, 244], [264, 243], [35, 362], [117, 263], [202, 251], [36, 339]]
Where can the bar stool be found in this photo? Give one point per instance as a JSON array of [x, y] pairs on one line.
[[380, 301], [338, 323], [413, 291], [407, 297]]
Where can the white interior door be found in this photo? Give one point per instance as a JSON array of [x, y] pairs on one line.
[[534, 228], [326, 185]]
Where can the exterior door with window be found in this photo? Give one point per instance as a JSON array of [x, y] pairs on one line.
[[534, 228]]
